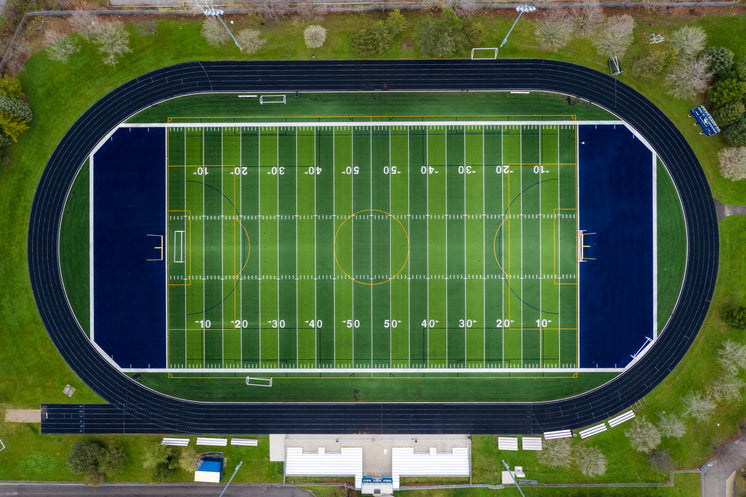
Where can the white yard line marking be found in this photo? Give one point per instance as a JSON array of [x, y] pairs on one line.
[[655, 245]]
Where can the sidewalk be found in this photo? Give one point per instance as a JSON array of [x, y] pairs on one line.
[[717, 472]]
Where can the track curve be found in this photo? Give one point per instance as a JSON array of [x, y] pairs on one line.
[[133, 408]]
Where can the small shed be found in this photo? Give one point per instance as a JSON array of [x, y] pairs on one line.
[[210, 470]]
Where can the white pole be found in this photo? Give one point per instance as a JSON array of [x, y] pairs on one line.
[[521, 9], [234, 474], [515, 480]]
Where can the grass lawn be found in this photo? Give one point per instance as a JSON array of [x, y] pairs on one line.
[[59, 94]]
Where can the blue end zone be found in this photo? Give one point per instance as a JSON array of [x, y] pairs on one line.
[[615, 178], [129, 188]]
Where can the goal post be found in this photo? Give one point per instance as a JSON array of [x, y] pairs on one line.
[[484, 53], [253, 381], [272, 99]]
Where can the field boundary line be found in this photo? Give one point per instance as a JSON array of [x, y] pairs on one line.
[[363, 124]]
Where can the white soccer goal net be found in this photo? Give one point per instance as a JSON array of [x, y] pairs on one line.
[[484, 53], [258, 382]]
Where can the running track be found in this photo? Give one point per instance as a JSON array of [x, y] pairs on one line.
[[133, 408]]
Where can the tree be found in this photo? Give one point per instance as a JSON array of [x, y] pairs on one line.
[[156, 455], [688, 77], [671, 426], [86, 23], [473, 31], [114, 41], [554, 30], [557, 453], [441, 36], [587, 17], [112, 459], [721, 59], [727, 388], [654, 64], [395, 22], [372, 40], [726, 91], [614, 36], [698, 405], [643, 435], [728, 113], [189, 458], [249, 40], [214, 32], [12, 126], [62, 48], [315, 36], [661, 461], [688, 40], [83, 459], [735, 134], [732, 355], [735, 315], [590, 461]]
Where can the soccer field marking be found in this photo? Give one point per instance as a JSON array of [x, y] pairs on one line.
[[382, 123]]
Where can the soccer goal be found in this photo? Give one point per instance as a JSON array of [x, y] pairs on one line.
[[484, 53], [272, 99], [258, 382]]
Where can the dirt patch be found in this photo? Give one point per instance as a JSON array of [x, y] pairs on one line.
[[23, 415]]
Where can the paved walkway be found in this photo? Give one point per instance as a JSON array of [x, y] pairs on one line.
[[727, 461], [148, 490], [724, 211]]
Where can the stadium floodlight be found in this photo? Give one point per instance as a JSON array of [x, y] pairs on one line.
[[217, 13], [521, 10], [512, 476]]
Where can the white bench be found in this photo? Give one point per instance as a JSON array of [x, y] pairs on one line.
[[552, 435], [531, 443], [593, 430], [507, 443], [621, 418], [178, 442], [251, 442], [219, 442]]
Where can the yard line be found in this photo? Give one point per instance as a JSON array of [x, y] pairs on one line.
[[559, 249], [390, 269], [297, 322], [577, 264], [520, 178], [277, 235], [259, 233], [409, 268], [186, 352], [222, 259], [484, 268], [204, 347], [541, 329], [352, 238], [334, 278], [315, 260], [370, 133], [240, 243], [502, 237], [445, 134], [466, 355], [427, 241]]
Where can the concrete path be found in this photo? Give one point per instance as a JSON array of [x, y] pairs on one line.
[[724, 211], [717, 472], [148, 490]]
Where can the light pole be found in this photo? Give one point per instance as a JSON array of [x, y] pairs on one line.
[[229, 481], [217, 13], [521, 9], [515, 480]]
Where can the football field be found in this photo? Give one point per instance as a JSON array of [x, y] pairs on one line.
[[372, 246]]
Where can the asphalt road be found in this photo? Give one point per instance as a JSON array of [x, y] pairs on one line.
[[145, 489]]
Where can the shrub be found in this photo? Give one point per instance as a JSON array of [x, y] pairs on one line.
[[735, 134], [62, 48], [728, 113], [315, 36], [614, 36], [395, 22], [661, 461], [721, 59], [554, 30], [654, 64], [735, 315], [249, 40], [688, 40], [726, 91], [441, 36], [643, 435], [11, 87]]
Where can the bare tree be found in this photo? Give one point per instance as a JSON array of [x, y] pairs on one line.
[[249, 40], [590, 461], [557, 453], [732, 355], [60, 47], [698, 405], [688, 40], [214, 32], [671, 426], [733, 167], [614, 36], [643, 435], [587, 17], [86, 23], [554, 30], [727, 388], [114, 40], [315, 36], [688, 77]]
